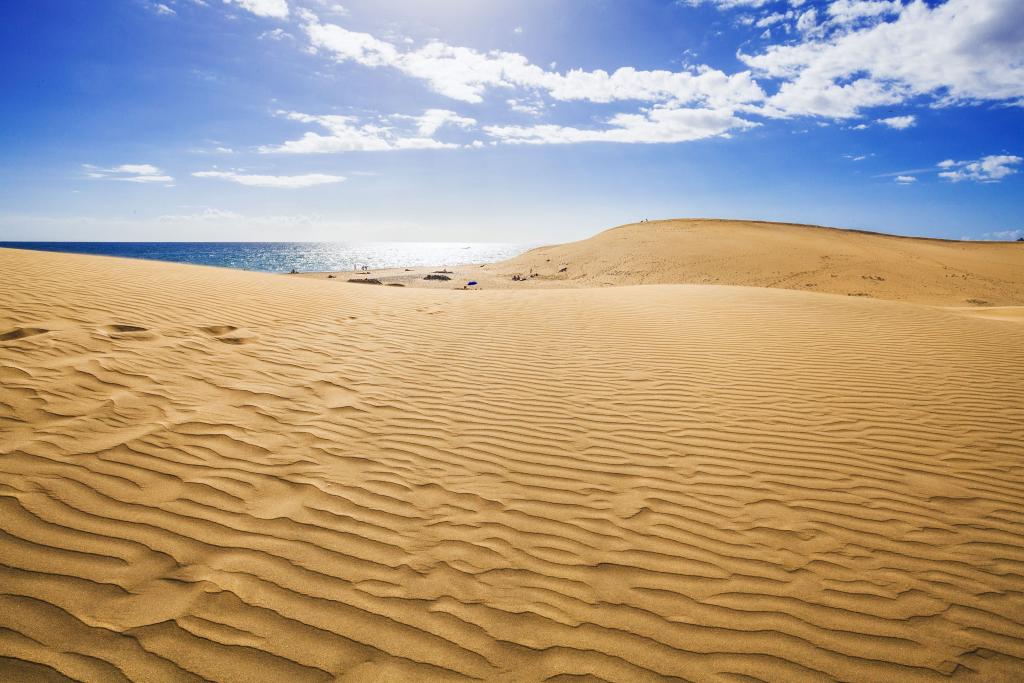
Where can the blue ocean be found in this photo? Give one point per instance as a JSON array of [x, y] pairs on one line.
[[282, 257]]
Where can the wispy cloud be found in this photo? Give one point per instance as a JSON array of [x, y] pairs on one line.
[[853, 11], [276, 181], [275, 9], [432, 120], [131, 173], [353, 134], [330, 7], [658, 125], [277, 34], [533, 107], [909, 171], [726, 4], [466, 74]]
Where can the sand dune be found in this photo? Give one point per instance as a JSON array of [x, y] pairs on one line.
[[220, 475], [756, 254]]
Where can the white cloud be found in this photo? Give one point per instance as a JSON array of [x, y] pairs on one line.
[[466, 74], [852, 56], [839, 12], [700, 86], [533, 108], [807, 22], [990, 169], [771, 19], [960, 51], [276, 9], [349, 134], [906, 179], [332, 8], [725, 4], [276, 34], [899, 122], [432, 120], [163, 10], [138, 169], [850, 11], [658, 125], [216, 148], [278, 181], [130, 173], [348, 45]]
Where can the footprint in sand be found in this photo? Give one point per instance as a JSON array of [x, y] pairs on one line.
[[238, 341], [218, 330], [125, 331], [21, 333], [125, 328], [228, 334]]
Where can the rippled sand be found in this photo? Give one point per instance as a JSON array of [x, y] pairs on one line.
[[212, 474]]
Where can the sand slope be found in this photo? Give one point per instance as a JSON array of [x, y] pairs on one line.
[[756, 254], [220, 475]]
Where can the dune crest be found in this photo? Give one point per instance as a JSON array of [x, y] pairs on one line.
[[689, 483], [785, 256]]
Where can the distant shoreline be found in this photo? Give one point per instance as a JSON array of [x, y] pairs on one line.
[[282, 257]]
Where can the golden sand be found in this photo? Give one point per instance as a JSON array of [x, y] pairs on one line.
[[231, 476]]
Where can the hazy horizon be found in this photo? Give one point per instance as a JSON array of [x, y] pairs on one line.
[[525, 122]]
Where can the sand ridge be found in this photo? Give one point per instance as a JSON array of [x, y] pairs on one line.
[[758, 254], [688, 482]]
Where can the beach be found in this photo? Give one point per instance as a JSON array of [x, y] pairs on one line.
[[702, 452]]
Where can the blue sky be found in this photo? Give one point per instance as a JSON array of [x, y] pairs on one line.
[[506, 120]]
